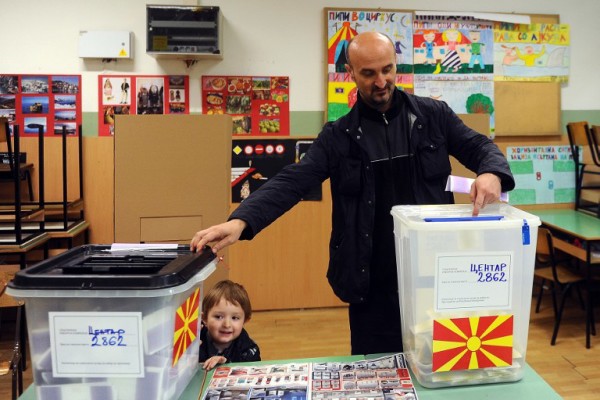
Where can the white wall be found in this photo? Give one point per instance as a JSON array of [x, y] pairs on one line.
[[261, 37]]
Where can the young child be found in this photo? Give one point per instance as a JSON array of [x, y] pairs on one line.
[[225, 309]]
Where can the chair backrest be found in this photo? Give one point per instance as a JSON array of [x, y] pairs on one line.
[[580, 141], [595, 143], [545, 249]]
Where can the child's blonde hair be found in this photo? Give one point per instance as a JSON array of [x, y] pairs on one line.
[[230, 291]]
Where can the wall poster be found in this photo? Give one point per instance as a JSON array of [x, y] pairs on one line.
[[536, 52], [138, 95], [254, 161], [543, 174], [52, 101], [455, 57], [259, 105], [343, 25]]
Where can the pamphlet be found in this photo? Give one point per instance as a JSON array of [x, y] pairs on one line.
[[384, 378]]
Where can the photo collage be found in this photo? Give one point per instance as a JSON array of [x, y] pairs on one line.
[[140, 95], [48, 102], [259, 106]]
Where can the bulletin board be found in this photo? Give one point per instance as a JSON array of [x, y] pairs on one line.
[[521, 108], [528, 108]]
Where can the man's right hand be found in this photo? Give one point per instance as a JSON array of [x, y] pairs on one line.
[[224, 234]]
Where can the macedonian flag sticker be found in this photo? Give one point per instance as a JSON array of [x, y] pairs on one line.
[[472, 343], [186, 325]]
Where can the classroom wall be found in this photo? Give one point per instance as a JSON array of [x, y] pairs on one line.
[[261, 37]]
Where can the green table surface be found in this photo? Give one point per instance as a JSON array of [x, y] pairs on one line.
[[532, 386], [579, 224]]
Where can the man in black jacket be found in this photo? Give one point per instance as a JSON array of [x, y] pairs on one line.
[[391, 148]]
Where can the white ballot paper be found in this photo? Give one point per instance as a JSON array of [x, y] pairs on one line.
[[460, 184]]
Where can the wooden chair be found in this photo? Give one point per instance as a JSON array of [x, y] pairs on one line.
[[595, 143], [14, 169], [560, 276], [13, 363], [587, 167]]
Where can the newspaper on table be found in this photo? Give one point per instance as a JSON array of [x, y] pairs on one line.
[[384, 378]]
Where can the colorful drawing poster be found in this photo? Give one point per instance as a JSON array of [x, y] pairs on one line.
[[464, 96], [50, 101], [543, 174], [255, 161], [259, 105], [452, 45], [139, 95], [536, 52], [343, 26]]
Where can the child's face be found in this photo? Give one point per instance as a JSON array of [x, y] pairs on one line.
[[224, 322]]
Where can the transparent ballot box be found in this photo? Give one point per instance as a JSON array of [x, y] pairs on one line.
[[107, 322], [465, 286]]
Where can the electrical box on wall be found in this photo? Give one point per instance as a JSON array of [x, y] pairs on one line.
[[184, 32], [105, 44]]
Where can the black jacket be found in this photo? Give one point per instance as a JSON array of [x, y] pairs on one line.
[[338, 153], [242, 349]]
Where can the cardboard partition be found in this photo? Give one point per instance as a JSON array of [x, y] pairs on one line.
[[172, 177]]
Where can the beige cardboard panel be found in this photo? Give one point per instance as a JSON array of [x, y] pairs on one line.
[[527, 108], [169, 229], [171, 165], [168, 165]]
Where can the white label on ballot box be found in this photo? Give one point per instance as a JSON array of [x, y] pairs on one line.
[[473, 281], [96, 344]]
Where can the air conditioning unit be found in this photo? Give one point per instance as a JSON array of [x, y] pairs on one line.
[[106, 44]]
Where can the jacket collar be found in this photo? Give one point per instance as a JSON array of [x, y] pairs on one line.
[[369, 112]]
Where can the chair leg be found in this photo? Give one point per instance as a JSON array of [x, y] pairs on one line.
[[29, 185], [16, 364], [539, 297], [593, 321], [554, 303], [564, 294], [580, 297]]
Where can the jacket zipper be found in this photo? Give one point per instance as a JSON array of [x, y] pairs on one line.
[[388, 142]]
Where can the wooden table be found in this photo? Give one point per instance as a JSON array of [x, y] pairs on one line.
[[567, 227]]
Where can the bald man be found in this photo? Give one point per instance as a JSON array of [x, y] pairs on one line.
[[391, 148]]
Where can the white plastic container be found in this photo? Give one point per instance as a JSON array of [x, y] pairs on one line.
[[114, 325], [465, 289]]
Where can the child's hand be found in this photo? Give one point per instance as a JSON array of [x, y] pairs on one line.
[[213, 362]]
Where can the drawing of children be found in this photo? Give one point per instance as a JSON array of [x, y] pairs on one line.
[[429, 45], [529, 57], [451, 38], [510, 55], [477, 49]]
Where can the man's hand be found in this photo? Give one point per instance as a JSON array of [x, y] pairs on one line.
[[485, 190], [224, 234], [213, 362]]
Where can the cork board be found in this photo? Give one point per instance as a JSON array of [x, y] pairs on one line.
[[519, 108]]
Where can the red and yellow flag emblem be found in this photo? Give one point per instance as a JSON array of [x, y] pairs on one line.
[[186, 325], [472, 343]]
